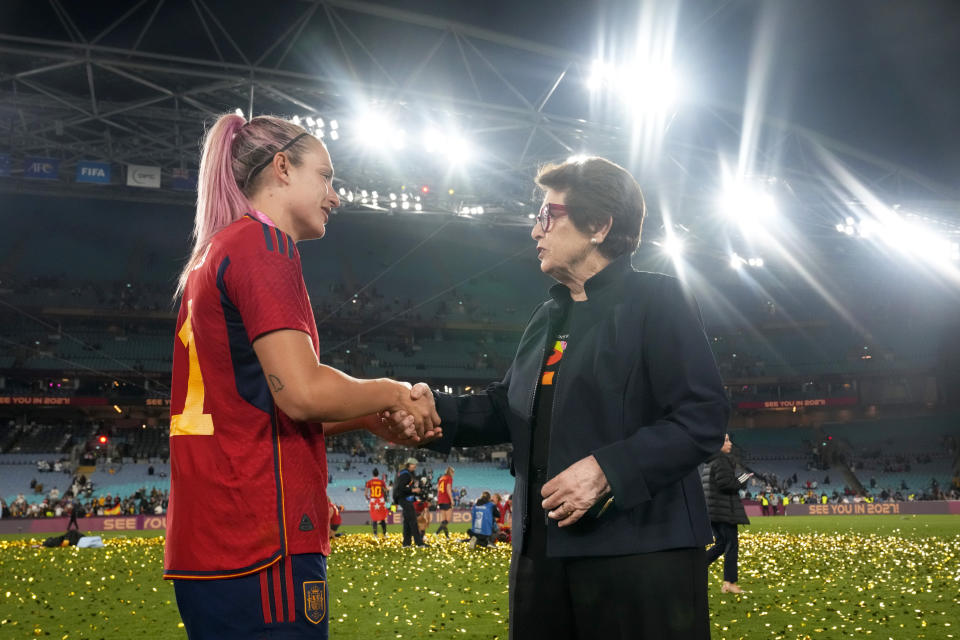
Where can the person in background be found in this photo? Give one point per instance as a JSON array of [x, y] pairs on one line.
[[483, 521], [721, 486], [501, 511], [335, 519], [445, 500], [422, 508], [406, 490], [508, 510], [376, 494]]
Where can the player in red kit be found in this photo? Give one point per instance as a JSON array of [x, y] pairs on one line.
[[376, 492], [250, 401], [445, 500], [336, 518]]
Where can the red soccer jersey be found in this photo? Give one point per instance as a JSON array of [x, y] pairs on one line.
[[378, 501], [502, 511], [248, 484], [445, 489]]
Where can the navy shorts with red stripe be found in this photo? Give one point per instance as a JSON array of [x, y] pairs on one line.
[[286, 601]]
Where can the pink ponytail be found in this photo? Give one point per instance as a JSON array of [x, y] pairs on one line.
[[232, 148], [219, 199]]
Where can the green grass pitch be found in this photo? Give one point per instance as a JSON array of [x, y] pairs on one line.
[[895, 577]]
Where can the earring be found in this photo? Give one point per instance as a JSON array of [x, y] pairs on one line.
[[594, 241]]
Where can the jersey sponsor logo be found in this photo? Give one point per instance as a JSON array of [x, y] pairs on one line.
[[305, 523], [315, 600]]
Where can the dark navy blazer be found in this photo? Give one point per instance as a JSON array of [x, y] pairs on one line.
[[638, 389]]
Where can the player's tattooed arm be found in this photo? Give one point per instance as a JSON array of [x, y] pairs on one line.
[[276, 383]]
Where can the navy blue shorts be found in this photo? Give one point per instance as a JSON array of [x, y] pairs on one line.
[[285, 601]]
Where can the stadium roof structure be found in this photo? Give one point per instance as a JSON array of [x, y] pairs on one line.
[[136, 82]]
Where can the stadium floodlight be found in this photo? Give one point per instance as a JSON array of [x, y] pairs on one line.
[[673, 246], [646, 86], [363, 192], [578, 157], [374, 129], [311, 122], [748, 205], [418, 207], [398, 139], [405, 205], [600, 73], [393, 205], [431, 140], [479, 209], [334, 135], [320, 122], [736, 262], [238, 111], [374, 194], [342, 191], [531, 215], [319, 133], [334, 125], [458, 150], [295, 120], [393, 196], [454, 147]]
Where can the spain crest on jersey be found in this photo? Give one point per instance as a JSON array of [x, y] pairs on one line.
[[315, 600]]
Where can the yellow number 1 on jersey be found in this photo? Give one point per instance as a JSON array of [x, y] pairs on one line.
[[193, 421]]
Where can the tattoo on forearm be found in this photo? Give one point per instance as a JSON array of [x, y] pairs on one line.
[[275, 383]]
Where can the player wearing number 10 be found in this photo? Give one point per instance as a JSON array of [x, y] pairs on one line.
[[376, 493], [247, 534]]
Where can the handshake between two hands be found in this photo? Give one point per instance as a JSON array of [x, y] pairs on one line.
[[413, 420]]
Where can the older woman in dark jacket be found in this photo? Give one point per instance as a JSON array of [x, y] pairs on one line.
[[612, 401], [721, 485]]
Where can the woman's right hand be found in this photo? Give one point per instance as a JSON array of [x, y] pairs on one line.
[[414, 401]]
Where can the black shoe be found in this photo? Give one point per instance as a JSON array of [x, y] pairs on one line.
[[423, 544]]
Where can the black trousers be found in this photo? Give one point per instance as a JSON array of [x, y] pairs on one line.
[[649, 596], [410, 529], [727, 544]]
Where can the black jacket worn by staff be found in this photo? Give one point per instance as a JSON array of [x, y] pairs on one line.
[[720, 485], [403, 486], [638, 388]]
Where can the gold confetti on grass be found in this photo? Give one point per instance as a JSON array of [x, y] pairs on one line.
[[799, 585]]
